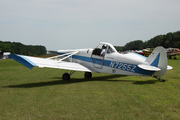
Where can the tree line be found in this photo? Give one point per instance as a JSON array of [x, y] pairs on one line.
[[171, 39], [19, 48]]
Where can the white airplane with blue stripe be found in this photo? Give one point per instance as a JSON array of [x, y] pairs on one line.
[[93, 60]]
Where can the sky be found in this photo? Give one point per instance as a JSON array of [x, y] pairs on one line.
[[73, 24]]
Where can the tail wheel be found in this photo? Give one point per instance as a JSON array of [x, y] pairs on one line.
[[66, 76], [87, 74]]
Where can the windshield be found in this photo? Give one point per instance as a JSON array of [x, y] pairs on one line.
[[110, 50]]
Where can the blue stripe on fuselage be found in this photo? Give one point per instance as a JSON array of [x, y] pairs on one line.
[[116, 65]]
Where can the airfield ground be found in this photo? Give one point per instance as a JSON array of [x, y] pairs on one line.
[[42, 94]]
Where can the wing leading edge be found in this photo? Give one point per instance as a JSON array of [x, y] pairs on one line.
[[30, 62]]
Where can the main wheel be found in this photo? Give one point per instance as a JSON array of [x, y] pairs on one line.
[[163, 80], [66, 76], [87, 74]]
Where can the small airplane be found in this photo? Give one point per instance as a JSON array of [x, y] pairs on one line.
[[102, 59], [147, 51], [172, 52], [139, 52]]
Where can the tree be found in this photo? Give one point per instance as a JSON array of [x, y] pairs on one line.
[[134, 45], [19, 48]]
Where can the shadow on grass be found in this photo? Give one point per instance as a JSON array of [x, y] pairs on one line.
[[145, 82], [74, 80]]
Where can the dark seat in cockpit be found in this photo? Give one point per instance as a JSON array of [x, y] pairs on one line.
[[96, 51]]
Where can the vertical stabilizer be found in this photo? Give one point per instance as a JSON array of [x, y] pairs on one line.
[[158, 58]]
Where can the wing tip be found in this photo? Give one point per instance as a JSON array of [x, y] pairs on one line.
[[22, 60]]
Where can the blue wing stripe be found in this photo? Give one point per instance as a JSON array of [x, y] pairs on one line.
[[23, 60]]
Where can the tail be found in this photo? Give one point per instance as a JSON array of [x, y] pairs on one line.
[[158, 58]]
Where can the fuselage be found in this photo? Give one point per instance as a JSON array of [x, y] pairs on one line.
[[114, 63]]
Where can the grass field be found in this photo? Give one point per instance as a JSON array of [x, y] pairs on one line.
[[42, 94]]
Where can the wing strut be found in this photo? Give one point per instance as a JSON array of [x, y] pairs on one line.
[[69, 55], [66, 54]]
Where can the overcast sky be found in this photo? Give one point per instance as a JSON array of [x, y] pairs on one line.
[[67, 24]]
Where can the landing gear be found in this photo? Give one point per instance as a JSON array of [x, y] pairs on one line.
[[66, 76], [158, 78], [87, 74], [170, 57]]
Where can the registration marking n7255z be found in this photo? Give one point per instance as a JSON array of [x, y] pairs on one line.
[[123, 66]]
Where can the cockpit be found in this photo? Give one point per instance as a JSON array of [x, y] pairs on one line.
[[104, 48]]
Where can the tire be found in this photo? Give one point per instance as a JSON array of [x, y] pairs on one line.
[[87, 74], [66, 76]]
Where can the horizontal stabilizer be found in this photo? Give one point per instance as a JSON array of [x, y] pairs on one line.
[[169, 67], [150, 68], [30, 62]]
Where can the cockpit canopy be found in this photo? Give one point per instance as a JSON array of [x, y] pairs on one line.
[[107, 46]]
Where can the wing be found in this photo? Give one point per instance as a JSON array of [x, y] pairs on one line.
[[30, 62]]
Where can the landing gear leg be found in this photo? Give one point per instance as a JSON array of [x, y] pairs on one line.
[[66, 76], [158, 78], [87, 74]]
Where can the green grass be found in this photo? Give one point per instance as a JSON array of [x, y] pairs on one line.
[[42, 94]]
